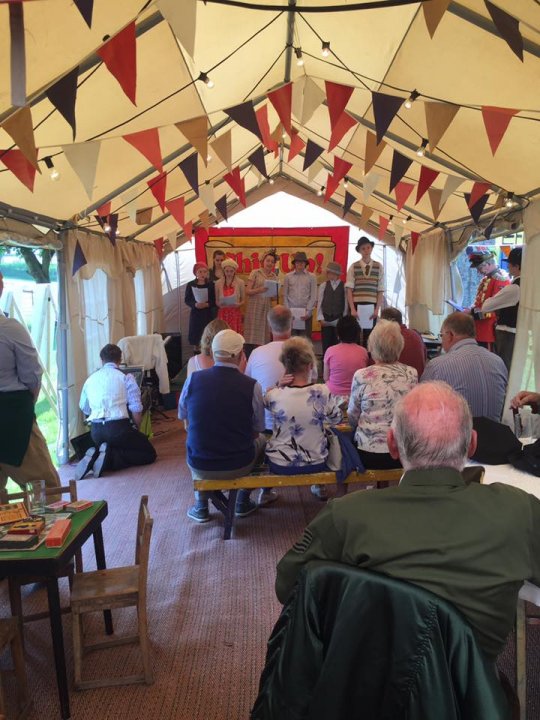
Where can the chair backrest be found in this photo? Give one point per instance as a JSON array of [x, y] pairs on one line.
[[70, 489], [145, 524]]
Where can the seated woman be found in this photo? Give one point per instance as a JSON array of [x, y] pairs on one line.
[[205, 359], [374, 393], [300, 409], [341, 361]]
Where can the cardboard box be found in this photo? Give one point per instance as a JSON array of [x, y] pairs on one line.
[[57, 535]]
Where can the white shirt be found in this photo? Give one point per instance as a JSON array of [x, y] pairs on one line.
[[322, 286], [507, 296], [109, 393], [149, 351]]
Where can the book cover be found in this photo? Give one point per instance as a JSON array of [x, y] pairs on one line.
[[78, 505], [11, 512]]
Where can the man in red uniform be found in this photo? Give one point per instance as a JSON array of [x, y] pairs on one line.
[[493, 280]]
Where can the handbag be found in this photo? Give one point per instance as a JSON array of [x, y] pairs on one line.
[[335, 457]]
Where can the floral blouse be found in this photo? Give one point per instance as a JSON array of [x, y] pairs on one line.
[[375, 391], [299, 415]]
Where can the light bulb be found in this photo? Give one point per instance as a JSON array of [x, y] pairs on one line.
[[325, 49], [271, 181], [208, 158], [55, 175], [422, 149], [346, 183], [320, 191], [107, 228], [408, 104], [203, 77], [509, 203], [299, 58], [412, 97], [209, 83]]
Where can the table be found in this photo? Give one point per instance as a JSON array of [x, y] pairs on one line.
[[46, 563]]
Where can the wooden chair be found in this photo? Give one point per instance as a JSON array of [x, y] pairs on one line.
[[9, 635], [16, 583], [110, 589]]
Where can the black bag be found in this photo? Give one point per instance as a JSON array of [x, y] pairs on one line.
[[528, 459], [496, 442]]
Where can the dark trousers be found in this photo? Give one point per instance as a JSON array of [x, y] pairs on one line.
[[126, 445], [328, 337], [504, 346], [378, 461], [307, 331]]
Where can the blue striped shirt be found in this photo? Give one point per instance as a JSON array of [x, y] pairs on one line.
[[474, 372]]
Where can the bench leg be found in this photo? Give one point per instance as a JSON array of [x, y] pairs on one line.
[[227, 506]]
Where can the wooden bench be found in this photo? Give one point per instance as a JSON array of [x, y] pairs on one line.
[[226, 503]]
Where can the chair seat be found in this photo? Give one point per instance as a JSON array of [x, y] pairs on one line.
[[102, 585]]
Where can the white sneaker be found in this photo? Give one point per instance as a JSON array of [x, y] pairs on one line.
[[267, 496], [320, 491]]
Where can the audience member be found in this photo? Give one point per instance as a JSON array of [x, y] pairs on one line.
[[230, 295], [365, 283], [493, 280], [300, 292], [259, 302], [216, 271], [107, 398], [343, 360], [204, 359], [471, 544], [224, 413], [375, 391], [473, 371], [414, 351], [200, 297], [331, 304]]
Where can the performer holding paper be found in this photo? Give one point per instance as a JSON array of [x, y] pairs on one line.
[[262, 290], [230, 295], [200, 297], [365, 287], [300, 294], [492, 281]]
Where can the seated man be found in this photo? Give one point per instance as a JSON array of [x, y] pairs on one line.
[[473, 371], [224, 410], [414, 351], [107, 397], [471, 544]]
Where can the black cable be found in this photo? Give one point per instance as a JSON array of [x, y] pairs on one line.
[[315, 8], [265, 74]]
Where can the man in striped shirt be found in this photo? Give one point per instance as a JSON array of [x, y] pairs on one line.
[[474, 372], [365, 283]]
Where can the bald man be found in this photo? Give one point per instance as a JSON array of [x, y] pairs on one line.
[[471, 544]]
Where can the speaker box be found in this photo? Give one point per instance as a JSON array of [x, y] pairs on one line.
[[173, 348]]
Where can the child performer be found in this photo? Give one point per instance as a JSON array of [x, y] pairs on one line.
[[230, 295], [200, 297]]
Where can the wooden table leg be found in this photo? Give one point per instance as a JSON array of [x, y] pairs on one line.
[[101, 565], [58, 645]]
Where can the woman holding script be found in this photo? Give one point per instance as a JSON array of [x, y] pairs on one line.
[[200, 297], [230, 295], [262, 289]]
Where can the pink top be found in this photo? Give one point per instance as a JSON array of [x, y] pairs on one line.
[[343, 360]]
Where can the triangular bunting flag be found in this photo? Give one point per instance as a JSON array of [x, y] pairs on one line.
[[257, 159], [415, 237], [385, 108], [399, 229], [383, 226], [477, 209], [85, 7], [427, 178], [281, 99], [367, 212], [313, 151], [176, 208], [237, 184], [264, 126], [373, 150], [244, 115], [332, 185], [172, 239], [158, 188], [370, 183], [343, 125], [204, 217], [438, 118], [206, 193], [83, 158], [307, 96], [196, 133], [341, 168], [20, 166], [221, 205], [63, 95], [182, 17], [435, 198], [297, 145], [451, 185], [17, 54], [402, 192], [478, 189], [105, 209], [496, 121], [79, 259], [147, 143], [120, 56], [433, 12], [489, 229], [400, 165], [337, 97], [158, 244], [315, 171], [144, 216], [113, 228], [349, 201], [508, 28], [223, 149], [19, 126], [188, 229], [190, 168]]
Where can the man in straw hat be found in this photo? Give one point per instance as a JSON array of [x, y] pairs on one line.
[[331, 304], [300, 292]]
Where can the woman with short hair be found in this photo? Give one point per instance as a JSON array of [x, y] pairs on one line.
[[341, 361]]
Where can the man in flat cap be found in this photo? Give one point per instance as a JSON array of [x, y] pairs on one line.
[[365, 283], [331, 304], [493, 280], [300, 293]]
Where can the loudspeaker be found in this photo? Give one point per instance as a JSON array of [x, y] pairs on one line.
[[173, 348]]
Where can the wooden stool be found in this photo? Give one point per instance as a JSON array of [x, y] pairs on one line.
[[9, 635]]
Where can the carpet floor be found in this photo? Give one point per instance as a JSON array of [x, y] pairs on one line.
[[211, 603]]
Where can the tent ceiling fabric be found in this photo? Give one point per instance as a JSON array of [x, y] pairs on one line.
[[244, 51]]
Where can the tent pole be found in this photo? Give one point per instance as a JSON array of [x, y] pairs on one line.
[[62, 354]]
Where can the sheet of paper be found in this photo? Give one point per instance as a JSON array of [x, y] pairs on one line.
[[456, 306], [229, 300], [364, 313], [297, 322], [200, 294], [271, 288]]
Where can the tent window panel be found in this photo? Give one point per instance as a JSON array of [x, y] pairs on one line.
[[148, 298], [96, 317]]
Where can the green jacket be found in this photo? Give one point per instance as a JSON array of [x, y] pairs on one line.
[[472, 545]]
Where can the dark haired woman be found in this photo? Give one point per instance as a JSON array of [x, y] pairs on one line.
[[216, 271], [341, 361], [261, 289]]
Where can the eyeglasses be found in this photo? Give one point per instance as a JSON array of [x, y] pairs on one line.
[[441, 334]]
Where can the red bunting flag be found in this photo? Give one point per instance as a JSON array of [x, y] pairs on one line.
[[147, 143], [337, 97], [477, 191], [402, 191], [120, 56], [332, 185], [237, 184], [415, 237], [297, 145], [158, 188], [262, 121], [104, 210], [341, 168], [383, 226], [176, 207], [281, 99], [427, 178], [188, 229], [158, 244], [20, 166], [496, 121], [343, 125]]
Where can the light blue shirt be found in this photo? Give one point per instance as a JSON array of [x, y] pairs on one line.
[[19, 361]]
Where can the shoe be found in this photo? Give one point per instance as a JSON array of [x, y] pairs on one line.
[[245, 508], [199, 514], [100, 461], [319, 491], [267, 496], [86, 464]]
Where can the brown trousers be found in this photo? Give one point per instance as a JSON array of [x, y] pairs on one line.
[[36, 464]]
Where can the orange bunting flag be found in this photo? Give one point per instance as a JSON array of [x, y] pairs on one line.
[[158, 188], [188, 229], [297, 145], [342, 126], [439, 115], [372, 151], [237, 184], [341, 167], [427, 178], [415, 237], [177, 209], [20, 166], [120, 56], [496, 121], [478, 190], [196, 133], [337, 97], [147, 143], [383, 226], [281, 99], [332, 185], [367, 212], [435, 198], [20, 127], [433, 12], [402, 191]]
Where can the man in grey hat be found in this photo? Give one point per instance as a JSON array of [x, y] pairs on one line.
[[365, 283], [331, 304], [300, 293]]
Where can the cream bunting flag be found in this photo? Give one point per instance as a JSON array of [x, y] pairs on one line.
[[182, 17], [223, 149], [206, 194], [451, 185], [370, 183], [307, 96], [129, 198], [314, 171], [83, 158], [172, 239]]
